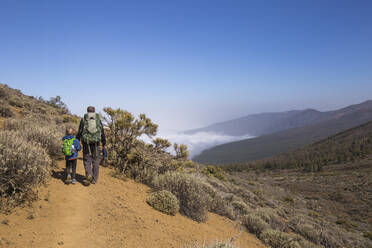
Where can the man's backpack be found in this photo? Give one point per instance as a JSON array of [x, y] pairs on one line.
[[68, 147], [92, 128]]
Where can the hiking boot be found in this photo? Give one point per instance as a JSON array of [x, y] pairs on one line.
[[88, 181], [68, 179], [93, 182], [73, 181]]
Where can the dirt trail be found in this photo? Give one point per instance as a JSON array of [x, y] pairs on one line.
[[112, 213]]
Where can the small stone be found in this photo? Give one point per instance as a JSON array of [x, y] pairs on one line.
[[5, 222], [30, 216], [60, 243]]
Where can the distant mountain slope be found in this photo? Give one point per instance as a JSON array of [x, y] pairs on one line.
[[350, 145], [284, 141], [266, 123]]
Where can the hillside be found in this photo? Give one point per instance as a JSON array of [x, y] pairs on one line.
[[38, 210], [347, 146], [112, 213], [284, 141], [339, 195], [266, 123], [327, 181]]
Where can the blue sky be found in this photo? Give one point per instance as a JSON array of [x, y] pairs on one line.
[[189, 63]]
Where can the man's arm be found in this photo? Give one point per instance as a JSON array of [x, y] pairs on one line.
[[80, 132], [103, 137]]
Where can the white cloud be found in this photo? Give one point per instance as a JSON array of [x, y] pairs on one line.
[[199, 141]]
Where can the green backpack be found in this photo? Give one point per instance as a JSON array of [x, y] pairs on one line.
[[67, 147], [92, 128]]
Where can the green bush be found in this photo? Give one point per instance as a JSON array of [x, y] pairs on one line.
[[164, 201], [23, 165], [254, 223], [368, 235], [214, 171], [132, 156], [278, 239], [6, 111], [191, 192]]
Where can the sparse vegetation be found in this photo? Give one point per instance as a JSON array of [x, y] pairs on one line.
[[191, 191], [254, 223], [284, 208], [218, 244], [23, 165], [278, 239], [6, 111], [39, 131], [350, 145], [28, 144], [214, 171], [164, 201]]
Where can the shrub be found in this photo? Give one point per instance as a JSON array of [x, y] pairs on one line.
[[135, 158], [218, 244], [254, 223], [313, 233], [368, 235], [3, 92], [16, 102], [240, 207], [6, 111], [66, 118], [191, 192], [220, 206], [271, 217], [23, 165], [328, 240], [308, 231], [164, 201], [123, 134], [38, 131], [214, 171], [278, 239]]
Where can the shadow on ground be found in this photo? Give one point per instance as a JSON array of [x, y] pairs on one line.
[[61, 175]]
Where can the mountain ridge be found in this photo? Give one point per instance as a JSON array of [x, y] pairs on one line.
[[275, 143], [271, 122]]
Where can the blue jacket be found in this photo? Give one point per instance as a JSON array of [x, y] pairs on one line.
[[76, 145]]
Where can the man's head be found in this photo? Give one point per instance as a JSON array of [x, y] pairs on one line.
[[91, 109]]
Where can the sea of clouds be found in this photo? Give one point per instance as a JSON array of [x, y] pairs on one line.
[[200, 141]]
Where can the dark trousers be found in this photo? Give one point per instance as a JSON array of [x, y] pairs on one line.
[[91, 157], [71, 164]]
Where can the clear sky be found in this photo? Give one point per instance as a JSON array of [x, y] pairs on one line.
[[189, 63]]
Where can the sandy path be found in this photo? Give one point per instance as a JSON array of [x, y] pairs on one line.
[[112, 213]]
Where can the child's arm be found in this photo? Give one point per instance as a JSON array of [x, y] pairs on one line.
[[77, 145]]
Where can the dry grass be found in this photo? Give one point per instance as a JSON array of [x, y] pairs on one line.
[[23, 165]]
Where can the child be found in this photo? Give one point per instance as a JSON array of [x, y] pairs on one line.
[[71, 147]]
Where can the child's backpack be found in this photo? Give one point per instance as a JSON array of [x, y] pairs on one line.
[[68, 147], [92, 128]]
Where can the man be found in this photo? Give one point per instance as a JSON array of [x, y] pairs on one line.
[[92, 133]]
